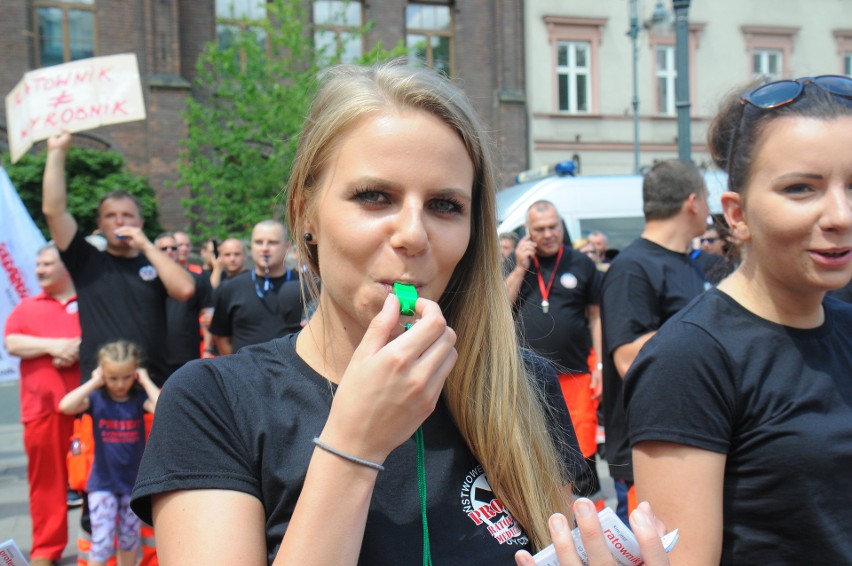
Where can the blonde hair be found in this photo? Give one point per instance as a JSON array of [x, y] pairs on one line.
[[496, 401], [119, 352]]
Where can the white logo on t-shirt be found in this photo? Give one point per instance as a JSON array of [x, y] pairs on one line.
[[148, 273], [72, 308], [568, 280], [483, 508]]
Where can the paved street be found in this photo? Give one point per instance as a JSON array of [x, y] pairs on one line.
[[14, 510]]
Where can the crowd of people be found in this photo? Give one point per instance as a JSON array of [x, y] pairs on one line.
[[348, 433], [122, 288]]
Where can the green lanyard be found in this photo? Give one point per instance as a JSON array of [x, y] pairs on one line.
[[407, 295], [421, 488]]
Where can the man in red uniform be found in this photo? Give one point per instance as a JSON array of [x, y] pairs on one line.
[[44, 331]]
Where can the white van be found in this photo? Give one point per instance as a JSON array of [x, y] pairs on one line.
[[611, 204]]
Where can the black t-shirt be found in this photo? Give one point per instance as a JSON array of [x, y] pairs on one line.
[[182, 319], [645, 285], [120, 298], [246, 318], [777, 401], [844, 293], [246, 422], [562, 334]]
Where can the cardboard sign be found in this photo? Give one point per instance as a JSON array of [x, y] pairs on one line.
[[75, 96]]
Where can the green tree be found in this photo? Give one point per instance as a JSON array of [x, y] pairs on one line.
[[90, 174], [242, 127]]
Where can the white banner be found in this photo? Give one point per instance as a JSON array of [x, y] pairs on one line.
[[75, 96], [20, 241]]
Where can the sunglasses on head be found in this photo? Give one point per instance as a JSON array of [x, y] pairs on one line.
[[708, 240], [780, 93]]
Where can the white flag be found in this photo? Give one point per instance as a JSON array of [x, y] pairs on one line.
[[20, 241]]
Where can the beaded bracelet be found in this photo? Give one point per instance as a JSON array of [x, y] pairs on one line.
[[349, 457]]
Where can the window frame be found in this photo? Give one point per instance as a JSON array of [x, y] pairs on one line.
[[573, 72], [668, 39], [561, 29], [339, 29], [243, 24], [429, 33], [769, 38], [843, 37], [762, 56], [669, 74], [66, 6]]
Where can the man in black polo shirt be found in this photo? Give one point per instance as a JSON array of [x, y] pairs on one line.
[[184, 328], [262, 303], [554, 291], [648, 282], [122, 291]]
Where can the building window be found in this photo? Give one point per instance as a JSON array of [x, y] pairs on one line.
[[770, 50], [664, 67], [573, 59], [429, 36], [234, 17], [843, 37], [767, 64], [666, 75], [574, 62], [338, 30], [65, 31]]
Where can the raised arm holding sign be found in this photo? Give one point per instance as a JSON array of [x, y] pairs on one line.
[[122, 290]]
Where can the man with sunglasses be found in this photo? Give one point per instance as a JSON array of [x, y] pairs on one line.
[[710, 255], [183, 327]]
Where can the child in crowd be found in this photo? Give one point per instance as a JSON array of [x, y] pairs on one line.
[[116, 396]]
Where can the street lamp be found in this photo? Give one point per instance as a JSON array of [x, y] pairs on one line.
[[658, 17], [684, 136]]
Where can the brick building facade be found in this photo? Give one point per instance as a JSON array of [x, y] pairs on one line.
[[486, 59]]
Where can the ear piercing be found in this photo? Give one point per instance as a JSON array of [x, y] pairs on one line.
[[308, 236]]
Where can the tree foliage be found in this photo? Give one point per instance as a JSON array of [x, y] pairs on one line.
[[242, 127], [90, 174]]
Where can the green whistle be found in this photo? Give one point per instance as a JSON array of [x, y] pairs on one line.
[[407, 296]]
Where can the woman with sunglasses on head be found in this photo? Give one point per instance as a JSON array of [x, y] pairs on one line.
[[356, 440], [740, 408]]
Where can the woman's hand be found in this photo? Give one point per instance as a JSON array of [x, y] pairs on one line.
[[391, 385], [646, 527]]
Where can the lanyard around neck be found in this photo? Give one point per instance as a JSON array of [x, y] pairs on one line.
[[261, 291], [545, 289]]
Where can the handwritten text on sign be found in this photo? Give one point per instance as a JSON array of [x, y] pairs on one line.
[[76, 96]]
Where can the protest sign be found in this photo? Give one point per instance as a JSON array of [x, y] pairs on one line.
[[11, 555], [20, 241], [76, 96]]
